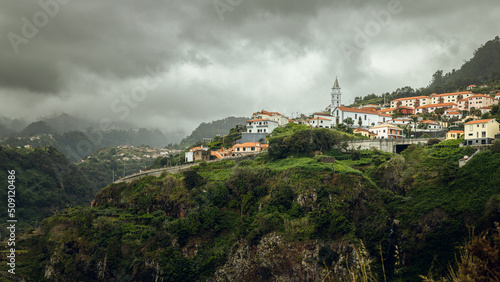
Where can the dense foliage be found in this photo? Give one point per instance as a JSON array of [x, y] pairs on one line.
[[409, 210], [45, 183]]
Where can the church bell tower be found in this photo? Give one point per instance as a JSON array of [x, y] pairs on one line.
[[336, 96]]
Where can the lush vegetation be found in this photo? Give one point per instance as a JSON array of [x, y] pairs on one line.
[[46, 182], [410, 211]]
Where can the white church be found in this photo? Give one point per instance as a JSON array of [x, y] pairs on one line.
[[364, 117]]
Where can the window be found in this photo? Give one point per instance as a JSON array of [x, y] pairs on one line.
[[355, 116], [483, 134], [365, 117], [483, 125], [253, 148]]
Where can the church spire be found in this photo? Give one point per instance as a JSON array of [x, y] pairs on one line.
[[336, 97], [336, 84]]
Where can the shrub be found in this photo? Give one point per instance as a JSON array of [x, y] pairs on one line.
[[433, 141], [495, 148]]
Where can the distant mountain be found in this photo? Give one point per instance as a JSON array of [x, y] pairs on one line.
[[79, 144], [64, 123], [4, 131], [211, 129], [13, 124], [36, 128]]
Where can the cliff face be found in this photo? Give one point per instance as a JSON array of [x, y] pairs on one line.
[[275, 259]]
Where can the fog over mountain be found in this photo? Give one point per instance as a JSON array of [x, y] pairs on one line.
[[174, 64]]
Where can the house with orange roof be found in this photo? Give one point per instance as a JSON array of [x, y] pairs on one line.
[[386, 131], [477, 101], [261, 125], [388, 111], [481, 132], [197, 154], [497, 96], [430, 125], [222, 153], [400, 121], [452, 114], [485, 109], [274, 116], [449, 97], [454, 134], [411, 102], [320, 122], [247, 148], [367, 117], [432, 107], [472, 86], [364, 132]]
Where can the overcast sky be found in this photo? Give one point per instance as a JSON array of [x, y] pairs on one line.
[[175, 64]]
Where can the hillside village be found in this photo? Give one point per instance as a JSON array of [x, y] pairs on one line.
[[457, 115]]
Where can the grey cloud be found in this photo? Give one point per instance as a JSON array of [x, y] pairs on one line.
[[91, 52]]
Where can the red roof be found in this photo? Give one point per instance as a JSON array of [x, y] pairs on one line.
[[480, 121], [363, 111], [318, 118], [480, 95], [260, 119], [437, 105], [410, 98], [387, 110], [267, 113], [247, 144], [456, 131], [453, 113], [453, 93]]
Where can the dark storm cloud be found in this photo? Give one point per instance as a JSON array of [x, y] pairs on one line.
[[213, 61]]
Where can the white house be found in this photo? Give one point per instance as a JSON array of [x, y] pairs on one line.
[[387, 131], [430, 125], [273, 116], [432, 107], [400, 121], [320, 122], [367, 117], [261, 126]]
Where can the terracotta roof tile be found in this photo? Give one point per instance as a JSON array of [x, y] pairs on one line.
[[480, 121]]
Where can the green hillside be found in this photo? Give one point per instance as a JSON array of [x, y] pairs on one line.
[[305, 209], [45, 183]]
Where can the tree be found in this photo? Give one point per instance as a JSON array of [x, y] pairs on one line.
[[360, 121], [349, 121], [415, 120]]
